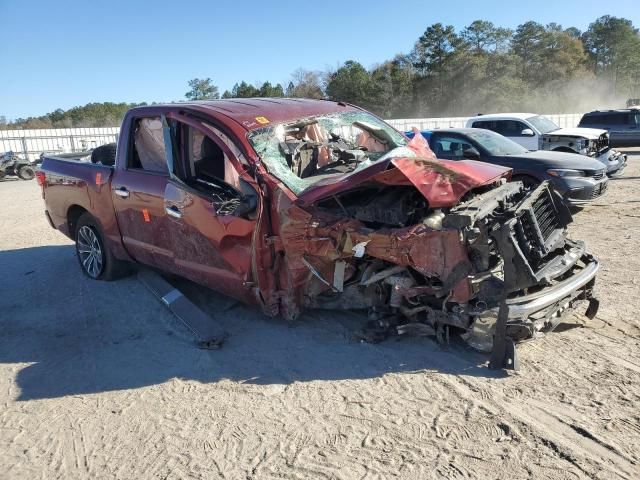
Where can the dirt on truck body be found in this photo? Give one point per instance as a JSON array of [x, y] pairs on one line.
[[317, 204]]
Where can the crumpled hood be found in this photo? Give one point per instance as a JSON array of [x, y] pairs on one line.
[[442, 182], [590, 133]]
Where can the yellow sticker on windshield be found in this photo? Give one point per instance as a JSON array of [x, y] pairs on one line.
[[262, 120]]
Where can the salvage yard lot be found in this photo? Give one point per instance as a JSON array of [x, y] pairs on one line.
[[98, 380]]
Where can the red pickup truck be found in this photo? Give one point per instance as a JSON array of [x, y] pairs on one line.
[[292, 204]]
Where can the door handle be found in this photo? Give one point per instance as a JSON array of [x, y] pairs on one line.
[[122, 192], [173, 211]]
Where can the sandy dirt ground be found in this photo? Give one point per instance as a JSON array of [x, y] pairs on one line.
[[98, 380]]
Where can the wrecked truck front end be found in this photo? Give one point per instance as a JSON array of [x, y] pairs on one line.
[[427, 247]]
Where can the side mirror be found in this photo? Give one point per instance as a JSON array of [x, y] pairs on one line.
[[471, 153], [527, 132]]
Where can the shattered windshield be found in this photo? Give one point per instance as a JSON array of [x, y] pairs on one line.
[[543, 124], [306, 150]]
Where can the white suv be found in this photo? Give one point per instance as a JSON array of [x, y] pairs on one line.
[[536, 132]]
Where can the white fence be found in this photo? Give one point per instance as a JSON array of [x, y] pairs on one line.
[[32, 143], [563, 120]]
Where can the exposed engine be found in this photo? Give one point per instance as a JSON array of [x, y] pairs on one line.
[[512, 244]]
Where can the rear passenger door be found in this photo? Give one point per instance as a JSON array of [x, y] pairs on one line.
[[138, 187]]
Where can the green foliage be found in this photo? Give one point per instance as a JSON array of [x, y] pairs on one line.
[[202, 89], [91, 115], [352, 83], [487, 68], [246, 90]]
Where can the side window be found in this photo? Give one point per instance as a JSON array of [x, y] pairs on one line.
[[634, 119], [484, 124], [205, 160], [449, 148], [148, 150], [615, 119], [208, 162], [510, 128], [501, 127], [592, 120]]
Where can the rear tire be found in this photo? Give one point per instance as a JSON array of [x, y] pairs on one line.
[[96, 260], [26, 172], [104, 154]]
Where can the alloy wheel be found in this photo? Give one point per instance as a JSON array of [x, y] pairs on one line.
[[90, 251]]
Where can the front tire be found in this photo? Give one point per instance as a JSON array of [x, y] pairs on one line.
[[26, 173], [96, 260]]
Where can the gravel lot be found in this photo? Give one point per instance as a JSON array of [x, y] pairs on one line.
[[98, 380]]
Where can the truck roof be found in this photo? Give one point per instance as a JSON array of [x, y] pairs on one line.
[[254, 113], [494, 116]]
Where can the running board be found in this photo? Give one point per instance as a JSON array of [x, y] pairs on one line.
[[208, 332]]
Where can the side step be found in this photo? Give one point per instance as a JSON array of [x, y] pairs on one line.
[[208, 332]]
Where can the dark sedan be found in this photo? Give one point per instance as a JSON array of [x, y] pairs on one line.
[[579, 179]]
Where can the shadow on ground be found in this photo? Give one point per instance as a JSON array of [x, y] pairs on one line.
[[78, 336]]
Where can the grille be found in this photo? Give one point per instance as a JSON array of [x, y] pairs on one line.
[[536, 226], [599, 189]]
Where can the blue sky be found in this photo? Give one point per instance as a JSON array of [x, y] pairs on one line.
[[59, 54]]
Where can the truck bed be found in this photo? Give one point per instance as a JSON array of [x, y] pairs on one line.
[[70, 183]]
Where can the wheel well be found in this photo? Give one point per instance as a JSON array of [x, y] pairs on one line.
[[73, 214], [564, 149]]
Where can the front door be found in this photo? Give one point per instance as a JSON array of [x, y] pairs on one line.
[[211, 207], [512, 129]]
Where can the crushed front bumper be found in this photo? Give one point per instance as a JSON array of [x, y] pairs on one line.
[[615, 162], [530, 316], [548, 299]]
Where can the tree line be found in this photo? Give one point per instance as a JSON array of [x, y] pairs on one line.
[[481, 68]]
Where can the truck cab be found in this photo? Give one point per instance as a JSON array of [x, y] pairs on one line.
[[180, 198]]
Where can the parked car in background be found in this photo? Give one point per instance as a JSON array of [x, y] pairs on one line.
[[633, 102], [537, 132], [579, 179], [623, 125], [292, 204]]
